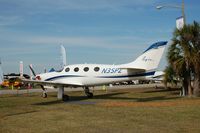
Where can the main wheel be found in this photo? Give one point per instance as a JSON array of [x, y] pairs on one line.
[[89, 95], [65, 98]]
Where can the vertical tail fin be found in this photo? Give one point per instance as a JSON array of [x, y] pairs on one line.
[[150, 58]]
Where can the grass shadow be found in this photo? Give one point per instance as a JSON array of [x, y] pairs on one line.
[[158, 98], [162, 90], [114, 96], [48, 103], [100, 96]]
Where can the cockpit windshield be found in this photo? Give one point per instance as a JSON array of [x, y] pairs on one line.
[[60, 70]]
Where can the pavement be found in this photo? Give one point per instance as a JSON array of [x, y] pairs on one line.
[[24, 91]]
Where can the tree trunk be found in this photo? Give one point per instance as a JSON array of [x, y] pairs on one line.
[[189, 90], [165, 84], [185, 86], [197, 84], [188, 78]]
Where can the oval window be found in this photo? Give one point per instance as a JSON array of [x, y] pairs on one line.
[[86, 69], [96, 69], [76, 69], [67, 69]]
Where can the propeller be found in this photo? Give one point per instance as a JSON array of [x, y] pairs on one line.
[[38, 78], [32, 70]]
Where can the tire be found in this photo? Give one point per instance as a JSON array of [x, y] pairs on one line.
[[65, 98], [44, 95], [90, 95]]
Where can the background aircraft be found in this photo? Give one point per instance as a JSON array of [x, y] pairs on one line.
[[63, 56], [1, 74]]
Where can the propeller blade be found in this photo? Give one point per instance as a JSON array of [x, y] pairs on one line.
[[32, 70]]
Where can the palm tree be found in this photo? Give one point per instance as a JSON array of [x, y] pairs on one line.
[[177, 66], [184, 56], [169, 76], [195, 54]]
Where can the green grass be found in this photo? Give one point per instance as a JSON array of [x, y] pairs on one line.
[[119, 111]]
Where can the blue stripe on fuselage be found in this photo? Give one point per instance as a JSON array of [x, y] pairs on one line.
[[128, 76], [63, 76], [123, 76]]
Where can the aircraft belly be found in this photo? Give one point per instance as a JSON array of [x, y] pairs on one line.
[[102, 81], [75, 81]]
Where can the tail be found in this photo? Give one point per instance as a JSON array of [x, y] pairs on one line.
[[150, 58]]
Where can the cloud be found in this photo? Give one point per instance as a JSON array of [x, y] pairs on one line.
[[10, 20], [78, 41]]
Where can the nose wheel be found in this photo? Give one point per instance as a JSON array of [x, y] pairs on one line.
[[44, 93], [88, 93]]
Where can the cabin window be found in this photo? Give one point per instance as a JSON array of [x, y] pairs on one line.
[[86, 69], [76, 69], [96, 69], [67, 69]]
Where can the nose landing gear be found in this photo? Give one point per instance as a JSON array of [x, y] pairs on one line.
[[44, 93]]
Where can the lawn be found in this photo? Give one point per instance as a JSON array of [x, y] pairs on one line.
[[117, 111]]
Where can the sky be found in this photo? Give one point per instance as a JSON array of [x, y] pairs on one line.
[[92, 31]]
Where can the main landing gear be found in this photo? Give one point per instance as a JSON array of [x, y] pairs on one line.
[[87, 92], [61, 95]]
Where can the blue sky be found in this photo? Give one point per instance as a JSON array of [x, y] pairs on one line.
[[92, 31]]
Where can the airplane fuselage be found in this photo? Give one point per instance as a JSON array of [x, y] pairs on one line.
[[94, 74]]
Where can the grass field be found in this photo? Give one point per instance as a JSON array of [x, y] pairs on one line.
[[117, 111]]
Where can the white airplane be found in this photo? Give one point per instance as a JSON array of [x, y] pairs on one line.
[[90, 75]]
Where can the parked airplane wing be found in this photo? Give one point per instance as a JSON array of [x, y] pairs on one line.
[[50, 83]]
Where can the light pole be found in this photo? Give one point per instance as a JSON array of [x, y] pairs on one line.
[[182, 7]]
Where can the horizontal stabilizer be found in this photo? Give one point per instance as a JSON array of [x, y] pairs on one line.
[[132, 69]]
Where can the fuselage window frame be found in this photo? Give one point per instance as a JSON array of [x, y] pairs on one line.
[[67, 69], [96, 69], [86, 69], [76, 69]]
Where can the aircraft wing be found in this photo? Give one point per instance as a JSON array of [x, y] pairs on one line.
[[50, 83]]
